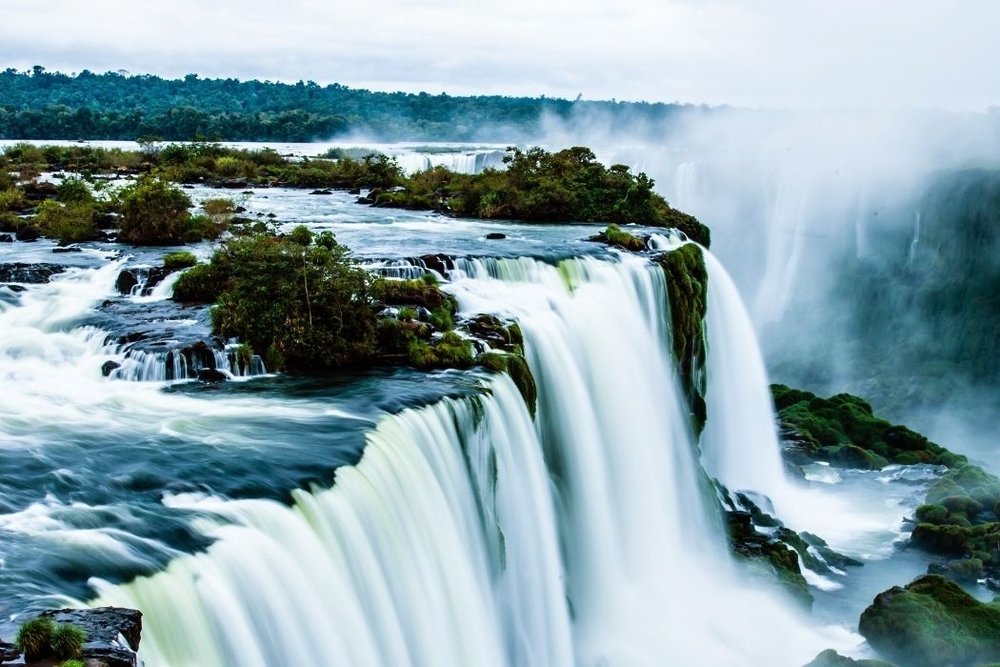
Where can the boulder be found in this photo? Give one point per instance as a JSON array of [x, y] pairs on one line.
[[108, 366], [6, 238], [27, 233], [212, 375], [125, 282], [932, 622], [495, 236]]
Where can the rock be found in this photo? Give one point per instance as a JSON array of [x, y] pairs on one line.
[[27, 233], [67, 248], [28, 273], [103, 627], [932, 622], [125, 282], [212, 375], [495, 236], [6, 238], [324, 191], [108, 366], [830, 658], [39, 190], [354, 191], [8, 652]]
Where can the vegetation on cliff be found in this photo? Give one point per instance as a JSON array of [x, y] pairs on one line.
[[687, 290]]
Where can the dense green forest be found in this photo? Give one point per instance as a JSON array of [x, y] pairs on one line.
[[49, 105]]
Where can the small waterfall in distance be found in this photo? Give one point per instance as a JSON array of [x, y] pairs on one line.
[[470, 534]]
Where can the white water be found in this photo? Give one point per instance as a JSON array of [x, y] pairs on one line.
[[470, 535], [740, 442]]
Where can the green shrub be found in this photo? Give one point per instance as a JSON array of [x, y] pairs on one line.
[[174, 261], [218, 206], [12, 199], [34, 638], [73, 662], [300, 235], [153, 212], [67, 641], [69, 223], [74, 191], [200, 284]]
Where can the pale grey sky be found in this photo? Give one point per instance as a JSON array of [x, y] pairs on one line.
[[769, 53]]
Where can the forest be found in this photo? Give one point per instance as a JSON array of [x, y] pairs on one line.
[[39, 104]]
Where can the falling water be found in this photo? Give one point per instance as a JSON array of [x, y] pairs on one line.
[[471, 534]]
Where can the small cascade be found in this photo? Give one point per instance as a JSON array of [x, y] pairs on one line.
[[187, 363], [471, 534], [686, 192], [404, 269], [461, 162]]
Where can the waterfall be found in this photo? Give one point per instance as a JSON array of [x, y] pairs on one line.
[[470, 534]]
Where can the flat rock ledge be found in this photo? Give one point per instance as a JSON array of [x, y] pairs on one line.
[[112, 637]]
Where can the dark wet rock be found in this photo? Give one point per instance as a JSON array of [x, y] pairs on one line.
[[27, 233], [29, 273], [830, 658], [932, 622], [104, 628], [126, 281], [324, 191], [240, 209], [354, 191], [108, 366], [212, 375], [39, 190], [231, 183], [6, 238], [8, 652], [966, 570], [495, 236], [67, 248]]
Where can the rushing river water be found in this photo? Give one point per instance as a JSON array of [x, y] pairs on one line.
[[396, 517]]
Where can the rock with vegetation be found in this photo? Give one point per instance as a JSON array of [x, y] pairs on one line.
[[932, 622], [616, 236], [844, 431], [154, 212], [566, 186], [687, 290]]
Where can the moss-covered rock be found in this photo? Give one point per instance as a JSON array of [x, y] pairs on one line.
[[687, 290], [844, 431], [616, 236], [932, 622]]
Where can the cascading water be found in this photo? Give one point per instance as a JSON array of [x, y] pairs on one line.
[[470, 534]]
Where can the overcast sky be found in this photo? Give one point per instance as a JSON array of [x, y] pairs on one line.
[[763, 53]]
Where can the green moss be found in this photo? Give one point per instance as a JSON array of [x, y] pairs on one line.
[[174, 261], [449, 351], [932, 622], [687, 290], [520, 373], [614, 235], [843, 430]]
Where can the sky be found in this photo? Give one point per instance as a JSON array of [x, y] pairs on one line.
[[756, 53]]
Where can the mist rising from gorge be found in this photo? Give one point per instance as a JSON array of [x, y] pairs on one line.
[[865, 243]]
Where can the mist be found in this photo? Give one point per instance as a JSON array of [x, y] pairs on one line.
[[865, 243]]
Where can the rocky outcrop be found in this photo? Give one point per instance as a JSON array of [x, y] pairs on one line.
[[932, 622], [830, 658], [687, 290], [112, 636], [20, 272]]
